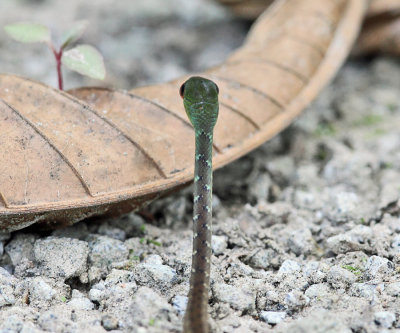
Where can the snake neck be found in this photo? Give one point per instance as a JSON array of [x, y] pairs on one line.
[[196, 316]]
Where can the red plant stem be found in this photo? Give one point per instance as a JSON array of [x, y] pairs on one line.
[[59, 72], [58, 56]]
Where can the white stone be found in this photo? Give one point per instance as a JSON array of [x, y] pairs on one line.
[[378, 266], [238, 298], [154, 259], [289, 266], [385, 318], [219, 244], [40, 290], [272, 317]]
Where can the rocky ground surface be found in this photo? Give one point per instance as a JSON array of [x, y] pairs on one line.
[[306, 228]]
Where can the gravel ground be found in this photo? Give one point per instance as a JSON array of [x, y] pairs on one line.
[[306, 228]]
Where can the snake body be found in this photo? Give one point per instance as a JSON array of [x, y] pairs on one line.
[[200, 98]]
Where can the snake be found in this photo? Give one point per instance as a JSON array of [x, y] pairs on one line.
[[200, 99]]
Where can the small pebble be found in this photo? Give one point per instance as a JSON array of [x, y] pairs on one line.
[[339, 277], [40, 290], [289, 266], [354, 240], [61, 257], [7, 285], [301, 242], [319, 290], [296, 300], [80, 302], [96, 295], [146, 306], [262, 259], [179, 303], [393, 289], [384, 318], [116, 233], [13, 324], [109, 322], [238, 298], [272, 317], [363, 290], [160, 276], [219, 244], [396, 243], [103, 251], [153, 259], [377, 266], [20, 246]]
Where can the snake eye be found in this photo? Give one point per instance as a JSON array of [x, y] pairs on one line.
[[217, 89], [182, 90]]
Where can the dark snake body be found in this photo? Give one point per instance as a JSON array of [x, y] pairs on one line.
[[201, 104]]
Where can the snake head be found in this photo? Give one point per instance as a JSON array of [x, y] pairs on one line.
[[200, 98]]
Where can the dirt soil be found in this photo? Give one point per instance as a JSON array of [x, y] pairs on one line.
[[306, 228]]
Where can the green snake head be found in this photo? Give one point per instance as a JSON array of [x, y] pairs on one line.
[[200, 98]]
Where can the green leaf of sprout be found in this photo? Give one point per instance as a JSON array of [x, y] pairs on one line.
[[86, 60], [73, 34], [28, 32]]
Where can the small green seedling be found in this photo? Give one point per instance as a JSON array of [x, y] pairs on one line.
[[84, 59]]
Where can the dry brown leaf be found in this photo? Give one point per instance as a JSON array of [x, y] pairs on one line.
[[380, 32], [65, 158], [380, 36], [381, 29]]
